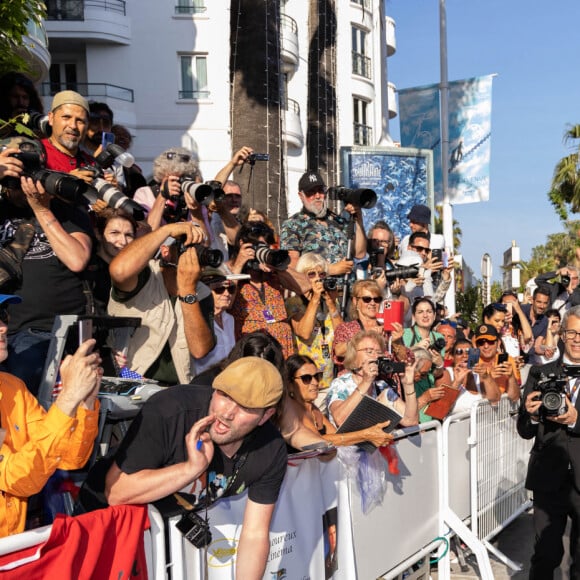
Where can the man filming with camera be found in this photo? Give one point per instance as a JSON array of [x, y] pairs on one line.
[[549, 412]]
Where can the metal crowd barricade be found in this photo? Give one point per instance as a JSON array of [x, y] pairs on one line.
[[484, 450], [464, 477]]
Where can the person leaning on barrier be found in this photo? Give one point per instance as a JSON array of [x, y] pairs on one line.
[[303, 423], [35, 443], [210, 443], [554, 466]]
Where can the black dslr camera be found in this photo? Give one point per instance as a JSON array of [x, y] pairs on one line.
[[365, 198], [330, 284], [394, 272], [277, 259], [194, 529], [207, 257], [388, 367], [552, 394]]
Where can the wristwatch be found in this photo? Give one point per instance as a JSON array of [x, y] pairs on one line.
[[188, 298]]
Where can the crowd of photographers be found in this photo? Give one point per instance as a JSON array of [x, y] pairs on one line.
[[356, 315]]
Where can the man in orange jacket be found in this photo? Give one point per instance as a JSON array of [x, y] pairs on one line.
[[35, 443]]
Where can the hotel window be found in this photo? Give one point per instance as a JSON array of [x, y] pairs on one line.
[[361, 63], [363, 133], [193, 77]]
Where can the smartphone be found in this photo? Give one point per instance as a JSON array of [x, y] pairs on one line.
[[393, 311], [85, 330], [106, 139], [472, 357], [502, 357], [437, 254], [445, 259]]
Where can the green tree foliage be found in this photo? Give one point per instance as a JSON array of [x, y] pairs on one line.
[[14, 17], [470, 303], [565, 189], [558, 251]]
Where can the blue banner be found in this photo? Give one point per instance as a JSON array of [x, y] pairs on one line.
[[469, 135]]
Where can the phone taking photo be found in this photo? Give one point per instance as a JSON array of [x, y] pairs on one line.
[[502, 357], [107, 139], [472, 357]]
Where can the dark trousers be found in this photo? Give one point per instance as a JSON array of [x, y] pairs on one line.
[[551, 512]]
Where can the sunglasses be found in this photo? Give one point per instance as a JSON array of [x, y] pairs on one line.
[[369, 299], [307, 379], [483, 341], [4, 315], [313, 192], [313, 273], [221, 289], [460, 351], [421, 249], [181, 156]]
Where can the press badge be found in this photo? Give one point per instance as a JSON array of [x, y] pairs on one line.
[[268, 316]]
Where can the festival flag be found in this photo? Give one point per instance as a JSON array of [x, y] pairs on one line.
[[469, 135]]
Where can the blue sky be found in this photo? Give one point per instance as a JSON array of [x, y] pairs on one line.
[[534, 48]]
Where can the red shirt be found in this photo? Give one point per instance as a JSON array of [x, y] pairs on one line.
[[57, 160]]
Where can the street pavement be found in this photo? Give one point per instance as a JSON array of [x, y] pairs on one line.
[[516, 542]]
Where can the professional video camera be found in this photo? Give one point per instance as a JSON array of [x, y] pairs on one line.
[[277, 259], [207, 257], [552, 389], [365, 198]]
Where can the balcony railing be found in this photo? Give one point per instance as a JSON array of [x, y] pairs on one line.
[[90, 90], [361, 65], [292, 106], [190, 8], [75, 9], [194, 95], [365, 3], [363, 134], [289, 23]]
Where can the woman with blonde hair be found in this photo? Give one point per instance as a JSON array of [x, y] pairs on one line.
[[314, 317]]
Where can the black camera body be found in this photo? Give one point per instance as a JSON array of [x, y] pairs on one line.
[[552, 389], [438, 344], [389, 367], [364, 198], [204, 193], [377, 258], [258, 157], [194, 529], [207, 257], [565, 280], [330, 284]]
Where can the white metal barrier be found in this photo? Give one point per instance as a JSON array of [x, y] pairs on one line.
[[462, 477]]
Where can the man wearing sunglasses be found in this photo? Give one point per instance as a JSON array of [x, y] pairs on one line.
[[316, 229], [554, 466], [419, 221], [423, 285]]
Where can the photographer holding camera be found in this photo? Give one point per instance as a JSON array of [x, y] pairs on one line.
[[172, 332], [565, 292], [316, 229], [45, 245], [554, 466], [259, 303]]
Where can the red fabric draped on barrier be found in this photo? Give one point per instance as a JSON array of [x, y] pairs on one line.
[[102, 544]]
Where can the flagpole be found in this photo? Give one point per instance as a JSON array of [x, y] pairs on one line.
[[447, 213]]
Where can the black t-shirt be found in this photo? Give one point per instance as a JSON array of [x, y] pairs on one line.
[[156, 439], [48, 286]]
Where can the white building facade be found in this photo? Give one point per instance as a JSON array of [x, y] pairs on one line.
[[294, 79]]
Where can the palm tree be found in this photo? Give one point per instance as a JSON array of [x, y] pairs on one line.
[[565, 190]]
